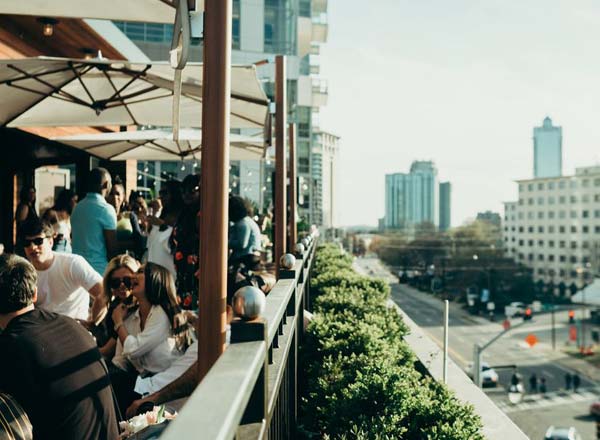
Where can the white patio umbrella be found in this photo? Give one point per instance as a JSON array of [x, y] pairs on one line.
[[157, 11], [158, 145], [67, 92]]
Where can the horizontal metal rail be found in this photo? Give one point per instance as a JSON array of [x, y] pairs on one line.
[[251, 391]]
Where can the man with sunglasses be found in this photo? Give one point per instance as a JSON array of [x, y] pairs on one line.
[[65, 281]]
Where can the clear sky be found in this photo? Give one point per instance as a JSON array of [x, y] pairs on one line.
[[462, 83]]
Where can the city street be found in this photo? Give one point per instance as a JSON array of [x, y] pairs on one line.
[[536, 412]]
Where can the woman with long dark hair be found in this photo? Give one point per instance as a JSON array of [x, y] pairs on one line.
[[63, 206], [161, 229], [25, 213], [150, 339]]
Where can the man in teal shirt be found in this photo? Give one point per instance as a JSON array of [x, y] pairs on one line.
[[94, 223]]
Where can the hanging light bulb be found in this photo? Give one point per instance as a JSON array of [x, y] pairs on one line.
[[146, 169], [249, 173], [195, 164], [268, 179], [268, 162], [182, 167], [139, 177], [264, 188]]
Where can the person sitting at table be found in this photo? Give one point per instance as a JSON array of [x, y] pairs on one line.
[[50, 363], [66, 282], [151, 338], [244, 234], [118, 282]]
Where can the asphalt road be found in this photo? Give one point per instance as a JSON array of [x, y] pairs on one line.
[[536, 412]]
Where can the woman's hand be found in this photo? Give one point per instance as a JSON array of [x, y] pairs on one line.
[[118, 314]]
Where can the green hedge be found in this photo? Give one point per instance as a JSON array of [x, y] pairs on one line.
[[359, 378]]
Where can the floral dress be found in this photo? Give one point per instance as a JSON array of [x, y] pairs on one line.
[[185, 242]]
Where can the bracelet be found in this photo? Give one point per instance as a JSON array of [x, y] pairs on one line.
[[118, 326]]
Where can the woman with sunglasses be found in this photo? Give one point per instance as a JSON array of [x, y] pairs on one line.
[[118, 281], [151, 338]]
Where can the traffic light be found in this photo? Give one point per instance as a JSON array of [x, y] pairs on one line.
[[527, 315], [571, 316]]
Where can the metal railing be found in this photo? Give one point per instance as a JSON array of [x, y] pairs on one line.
[[251, 392]]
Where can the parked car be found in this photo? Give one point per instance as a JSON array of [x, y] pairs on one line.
[[489, 377], [562, 433], [515, 309]]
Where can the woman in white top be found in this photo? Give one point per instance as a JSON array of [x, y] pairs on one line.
[[147, 343]]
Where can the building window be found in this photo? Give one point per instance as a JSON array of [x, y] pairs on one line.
[[540, 185], [540, 257], [561, 214], [573, 229], [585, 245], [541, 271], [562, 200], [550, 185], [551, 229], [573, 259], [585, 198], [562, 244], [541, 229], [596, 213], [573, 184], [541, 214], [573, 214], [530, 229], [561, 229], [521, 242], [550, 200], [530, 187], [585, 183], [597, 229], [530, 242], [530, 257], [562, 258], [561, 272], [585, 229], [550, 257], [550, 214], [573, 245], [597, 181], [530, 201], [540, 200], [541, 243], [521, 229], [573, 199], [551, 243], [235, 25], [561, 184]]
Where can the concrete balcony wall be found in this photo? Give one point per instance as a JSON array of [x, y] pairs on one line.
[[496, 424]]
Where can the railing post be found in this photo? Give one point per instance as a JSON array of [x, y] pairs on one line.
[[248, 331]]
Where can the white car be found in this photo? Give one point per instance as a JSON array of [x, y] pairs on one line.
[[557, 433], [489, 377], [515, 309]]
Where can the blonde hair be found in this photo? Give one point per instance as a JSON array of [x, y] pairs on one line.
[[115, 263]]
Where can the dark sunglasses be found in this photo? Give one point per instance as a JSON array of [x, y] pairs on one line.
[[38, 241], [115, 283]]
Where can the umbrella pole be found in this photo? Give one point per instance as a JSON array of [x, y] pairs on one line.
[[293, 189], [280, 162], [215, 183]]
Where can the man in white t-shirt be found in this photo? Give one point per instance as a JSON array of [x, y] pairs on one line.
[[65, 281]]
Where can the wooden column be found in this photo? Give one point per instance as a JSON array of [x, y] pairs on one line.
[[216, 90], [293, 190], [280, 235]]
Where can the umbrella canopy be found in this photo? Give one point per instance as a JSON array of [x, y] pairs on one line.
[[158, 145], [67, 92], [589, 294], [157, 11]]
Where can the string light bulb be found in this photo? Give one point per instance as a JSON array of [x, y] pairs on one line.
[[48, 25]]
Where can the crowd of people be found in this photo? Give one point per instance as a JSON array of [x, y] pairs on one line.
[[98, 318]]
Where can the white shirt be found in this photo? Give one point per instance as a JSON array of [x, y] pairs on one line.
[[63, 287], [159, 251], [151, 350], [150, 385]]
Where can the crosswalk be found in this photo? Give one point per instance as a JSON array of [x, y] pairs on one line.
[[557, 398]]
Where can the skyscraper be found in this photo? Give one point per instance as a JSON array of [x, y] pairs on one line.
[[445, 205], [547, 150], [413, 198]]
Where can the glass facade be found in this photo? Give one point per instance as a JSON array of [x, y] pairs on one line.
[[153, 32], [280, 27]]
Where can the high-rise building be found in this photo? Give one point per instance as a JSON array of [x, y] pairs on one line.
[[445, 206], [325, 171], [262, 29], [493, 218], [547, 150], [554, 228], [412, 199]]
